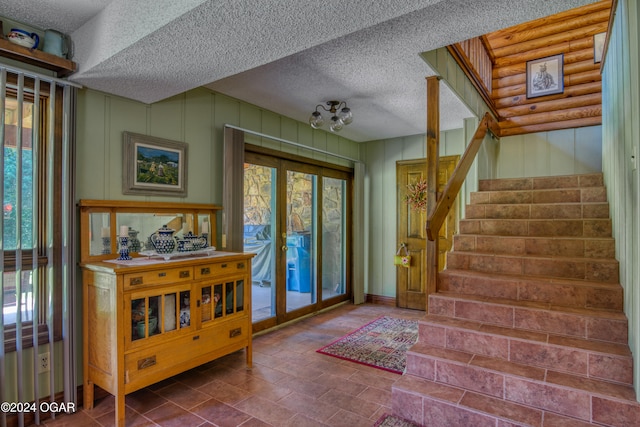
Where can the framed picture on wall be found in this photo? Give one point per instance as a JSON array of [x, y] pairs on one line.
[[598, 47], [545, 76], [153, 166]]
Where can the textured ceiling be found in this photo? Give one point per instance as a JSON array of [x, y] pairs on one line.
[[283, 55]]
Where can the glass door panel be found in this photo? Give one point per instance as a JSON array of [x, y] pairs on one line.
[[301, 242], [217, 299], [170, 313], [259, 233], [207, 307], [334, 277]]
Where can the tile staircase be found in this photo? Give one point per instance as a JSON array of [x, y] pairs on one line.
[[526, 327]]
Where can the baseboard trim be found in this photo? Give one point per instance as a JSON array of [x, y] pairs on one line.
[[380, 300]]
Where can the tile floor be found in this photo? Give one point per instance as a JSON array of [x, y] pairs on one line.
[[290, 384]]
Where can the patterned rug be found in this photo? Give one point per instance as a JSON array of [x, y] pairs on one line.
[[382, 344], [387, 420]]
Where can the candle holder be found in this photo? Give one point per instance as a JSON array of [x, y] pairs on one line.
[[205, 236], [106, 245], [124, 249]]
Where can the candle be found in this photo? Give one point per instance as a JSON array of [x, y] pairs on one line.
[[205, 227], [124, 231], [105, 232], [185, 228]]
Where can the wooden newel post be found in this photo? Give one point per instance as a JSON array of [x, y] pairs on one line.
[[433, 151]]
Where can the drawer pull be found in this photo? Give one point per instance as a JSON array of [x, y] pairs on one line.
[[163, 274], [205, 270], [196, 337], [147, 362], [240, 265], [223, 265], [135, 281], [235, 332], [184, 274]]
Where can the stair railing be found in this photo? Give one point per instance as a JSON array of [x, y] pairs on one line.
[[439, 205], [445, 201]]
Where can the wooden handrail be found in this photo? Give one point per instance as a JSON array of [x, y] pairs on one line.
[[445, 202]]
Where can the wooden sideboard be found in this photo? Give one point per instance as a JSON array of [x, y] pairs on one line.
[[149, 318]]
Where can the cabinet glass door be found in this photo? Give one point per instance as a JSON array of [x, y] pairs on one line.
[[159, 313], [219, 300]]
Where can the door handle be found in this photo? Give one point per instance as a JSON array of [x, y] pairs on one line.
[[285, 248]]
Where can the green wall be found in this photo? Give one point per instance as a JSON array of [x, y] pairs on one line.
[[196, 117], [621, 145], [380, 201]]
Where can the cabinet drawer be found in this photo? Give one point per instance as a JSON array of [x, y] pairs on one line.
[[231, 331], [146, 366], [220, 268], [158, 277]]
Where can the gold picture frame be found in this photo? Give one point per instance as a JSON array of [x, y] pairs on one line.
[[598, 47]]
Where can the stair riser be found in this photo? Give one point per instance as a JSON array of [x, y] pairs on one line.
[[439, 405], [566, 359], [587, 269], [531, 246], [586, 228], [540, 211], [537, 183], [573, 403], [444, 411], [567, 295], [577, 195], [532, 319]]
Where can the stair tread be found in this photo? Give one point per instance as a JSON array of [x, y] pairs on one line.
[[532, 279], [533, 373], [560, 238], [535, 256], [605, 348]]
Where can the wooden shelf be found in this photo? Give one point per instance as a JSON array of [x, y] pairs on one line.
[[62, 67]]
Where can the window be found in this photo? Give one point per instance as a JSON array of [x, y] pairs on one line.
[[31, 208]]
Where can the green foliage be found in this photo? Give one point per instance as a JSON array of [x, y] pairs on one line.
[[10, 199]]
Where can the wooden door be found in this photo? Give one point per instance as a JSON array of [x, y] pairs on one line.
[[410, 282]]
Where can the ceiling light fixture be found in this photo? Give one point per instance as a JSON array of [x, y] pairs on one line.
[[339, 119]]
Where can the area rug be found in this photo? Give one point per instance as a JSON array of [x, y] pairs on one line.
[[382, 344], [387, 420]]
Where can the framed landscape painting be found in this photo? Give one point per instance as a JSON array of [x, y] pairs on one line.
[[153, 166], [545, 76]]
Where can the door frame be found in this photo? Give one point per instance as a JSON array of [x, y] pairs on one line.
[[279, 160], [419, 255]]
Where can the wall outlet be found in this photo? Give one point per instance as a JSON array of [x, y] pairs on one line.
[[43, 363]]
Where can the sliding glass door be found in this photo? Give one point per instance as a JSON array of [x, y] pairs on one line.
[[296, 222]]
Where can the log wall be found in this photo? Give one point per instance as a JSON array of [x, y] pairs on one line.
[[569, 33]]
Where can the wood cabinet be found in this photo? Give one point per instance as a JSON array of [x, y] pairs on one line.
[[150, 318]]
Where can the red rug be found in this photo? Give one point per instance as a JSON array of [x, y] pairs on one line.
[[382, 344]]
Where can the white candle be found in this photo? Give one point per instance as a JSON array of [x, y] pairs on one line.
[[124, 231], [185, 228], [205, 227], [105, 232]]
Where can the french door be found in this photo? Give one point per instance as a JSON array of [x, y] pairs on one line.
[[296, 221]]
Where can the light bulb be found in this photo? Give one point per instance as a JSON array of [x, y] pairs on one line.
[[336, 124], [345, 115], [316, 120]]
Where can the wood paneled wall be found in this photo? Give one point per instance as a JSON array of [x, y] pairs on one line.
[[569, 33]]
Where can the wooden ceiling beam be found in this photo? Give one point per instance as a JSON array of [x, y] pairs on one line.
[[511, 35], [521, 98]]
